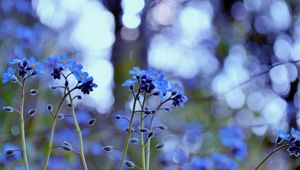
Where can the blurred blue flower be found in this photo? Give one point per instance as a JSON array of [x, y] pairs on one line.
[[295, 134], [17, 152], [137, 72], [233, 138], [8, 75], [129, 83], [230, 135], [204, 163], [25, 34], [239, 150], [180, 156], [176, 88], [75, 67], [223, 162]]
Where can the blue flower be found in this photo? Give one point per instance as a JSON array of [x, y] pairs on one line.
[[16, 151], [179, 100], [35, 65], [281, 135], [229, 136], [294, 149], [223, 162], [51, 63], [136, 71], [9, 75], [176, 89], [129, 83], [88, 86], [295, 134], [161, 85], [74, 67], [17, 60], [202, 163], [64, 61], [239, 150], [82, 77]]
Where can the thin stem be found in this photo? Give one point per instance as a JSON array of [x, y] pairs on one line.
[[129, 132], [148, 147], [22, 128], [53, 129], [270, 154], [149, 140], [142, 147], [78, 132]]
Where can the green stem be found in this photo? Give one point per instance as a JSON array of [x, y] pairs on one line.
[[78, 132], [129, 132], [148, 152], [142, 146], [22, 128], [52, 132], [148, 147], [269, 155]]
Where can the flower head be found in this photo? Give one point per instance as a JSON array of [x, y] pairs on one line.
[[64, 61], [35, 65], [295, 134], [82, 77], [137, 72], [88, 86], [281, 135], [51, 63], [8, 75]]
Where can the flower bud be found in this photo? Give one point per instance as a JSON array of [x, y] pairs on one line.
[[91, 122], [50, 107], [108, 148], [134, 140], [8, 108], [129, 164], [31, 112], [34, 92], [159, 146]]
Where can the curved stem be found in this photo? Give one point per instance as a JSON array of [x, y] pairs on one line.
[[142, 146], [53, 129], [269, 155], [129, 132], [22, 127], [78, 132]]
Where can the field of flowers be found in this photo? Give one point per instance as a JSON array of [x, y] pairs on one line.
[[149, 85]]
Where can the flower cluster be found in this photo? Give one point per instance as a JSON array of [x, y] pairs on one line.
[[26, 68], [292, 139], [152, 82], [233, 138], [56, 65]]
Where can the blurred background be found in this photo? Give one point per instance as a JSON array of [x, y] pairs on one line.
[[237, 60]]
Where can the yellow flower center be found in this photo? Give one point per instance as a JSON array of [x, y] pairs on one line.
[[82, 77], [295, 136], [33, 65], [51, 64], [63, 61]]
